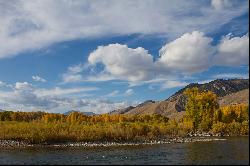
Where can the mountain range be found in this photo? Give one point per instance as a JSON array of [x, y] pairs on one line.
[[231, 91]]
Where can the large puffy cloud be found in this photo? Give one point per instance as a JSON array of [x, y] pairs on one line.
[[233, 51], [192, 52], [28, 25], [123, 62]]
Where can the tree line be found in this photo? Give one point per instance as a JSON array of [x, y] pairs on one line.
[[202, 114], [78, 117]]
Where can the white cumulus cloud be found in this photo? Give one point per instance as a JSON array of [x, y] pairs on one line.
[[123, 62], [233, 51], [190, 53]]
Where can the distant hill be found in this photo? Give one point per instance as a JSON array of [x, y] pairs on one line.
[[84, 113], [122, 110], [228, 91], [127, 109]]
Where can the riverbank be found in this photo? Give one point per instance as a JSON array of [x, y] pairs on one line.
[[17, 144]]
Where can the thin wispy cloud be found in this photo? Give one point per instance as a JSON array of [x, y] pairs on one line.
[[30, 25], [231, 75], [129, 92], [117, 93], [112, 94], [38, 79], [172, 84]]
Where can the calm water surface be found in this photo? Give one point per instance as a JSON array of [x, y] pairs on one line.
[[231, 151]]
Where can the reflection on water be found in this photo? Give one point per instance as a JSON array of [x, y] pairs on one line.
[[231, 151]]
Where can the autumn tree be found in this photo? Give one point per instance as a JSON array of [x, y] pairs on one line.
[[201, 107]]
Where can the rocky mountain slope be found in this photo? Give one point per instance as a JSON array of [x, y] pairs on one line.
[[228, 91], [235, 98]]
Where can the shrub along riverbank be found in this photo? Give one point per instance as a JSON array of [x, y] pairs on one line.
[[203, 114]]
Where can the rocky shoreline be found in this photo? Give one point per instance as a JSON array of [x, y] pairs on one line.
[[20, 144]]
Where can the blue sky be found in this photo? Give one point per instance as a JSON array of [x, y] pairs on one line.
[[102, 55]]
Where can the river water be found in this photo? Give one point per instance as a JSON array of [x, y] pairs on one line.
[[231, 151]]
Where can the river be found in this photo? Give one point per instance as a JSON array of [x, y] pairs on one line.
[[234, 150]]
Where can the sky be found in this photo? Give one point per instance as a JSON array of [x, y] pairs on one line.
[[98, 56]]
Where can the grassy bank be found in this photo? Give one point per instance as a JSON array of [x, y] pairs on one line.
[[40, 132]]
